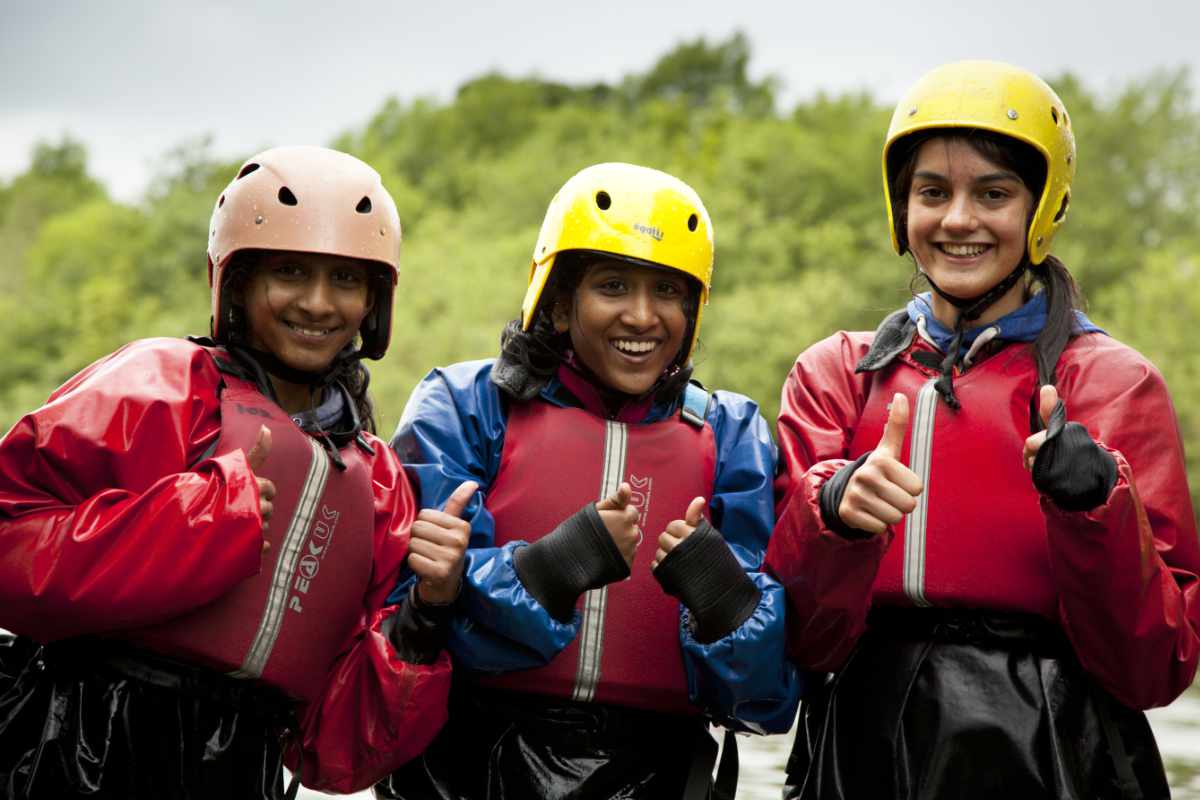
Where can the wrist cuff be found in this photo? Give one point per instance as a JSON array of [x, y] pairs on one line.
[[706, 577], [418, 632], [576, 556], [832, 492]]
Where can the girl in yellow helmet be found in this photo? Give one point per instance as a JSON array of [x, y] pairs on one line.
[[590, 659], [997, 590]]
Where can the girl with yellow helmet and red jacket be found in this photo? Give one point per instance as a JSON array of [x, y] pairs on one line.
[[984, 529], [590, 660], [197, 537]]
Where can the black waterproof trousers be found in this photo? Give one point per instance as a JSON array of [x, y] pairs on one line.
[[951, 704], [90, 720], [512, 746]]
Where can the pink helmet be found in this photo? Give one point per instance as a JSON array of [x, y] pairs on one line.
[[309, 200]]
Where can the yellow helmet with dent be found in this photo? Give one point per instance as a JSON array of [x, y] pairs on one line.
[[631, 212], [1003, 99]]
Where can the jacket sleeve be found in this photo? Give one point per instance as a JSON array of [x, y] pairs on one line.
[[1129, 596], [828, 578], [105, 523], [744, 678], [452, 430], [376, 711]]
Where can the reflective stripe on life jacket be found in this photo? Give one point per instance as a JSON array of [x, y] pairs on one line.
[[284, 625], [554, 461]]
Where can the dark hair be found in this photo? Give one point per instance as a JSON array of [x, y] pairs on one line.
[[347, 368], [529, 358], [1062, 293]]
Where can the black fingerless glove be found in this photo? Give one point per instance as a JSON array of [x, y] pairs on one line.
[[1070, 468], [706, 577], [832, 492], [576, 556], [418, 630]]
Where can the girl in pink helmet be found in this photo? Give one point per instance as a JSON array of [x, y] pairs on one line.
[[197, 536]]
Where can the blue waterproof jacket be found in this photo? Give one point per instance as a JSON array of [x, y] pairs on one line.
[[453, 430]]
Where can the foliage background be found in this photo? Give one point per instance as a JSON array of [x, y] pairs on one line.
[[802, 246]]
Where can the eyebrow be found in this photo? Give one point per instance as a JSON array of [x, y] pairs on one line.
[[1003, 175]]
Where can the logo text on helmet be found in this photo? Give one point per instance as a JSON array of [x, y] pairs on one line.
[[651, 231]]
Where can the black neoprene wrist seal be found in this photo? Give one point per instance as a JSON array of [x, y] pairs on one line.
[[1070, 468], [417, 630], [832, 492], [706, 577], [576, 556]]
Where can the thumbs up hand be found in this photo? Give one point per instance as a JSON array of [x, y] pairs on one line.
[[882, 490], [620, 518], [266, 489], [1047, 400], [1066, 463], [437, 547], [678, 530]]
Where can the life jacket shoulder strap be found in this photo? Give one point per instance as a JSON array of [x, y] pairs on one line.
[[694, 410]]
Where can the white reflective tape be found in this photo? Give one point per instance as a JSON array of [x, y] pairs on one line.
[[920, 449], [271, 621], [595, 602]]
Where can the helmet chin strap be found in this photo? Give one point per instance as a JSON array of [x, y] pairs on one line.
[[969, 310]]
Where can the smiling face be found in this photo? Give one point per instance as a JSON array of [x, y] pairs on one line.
[[303, 308], [627, 322], [966, 224]]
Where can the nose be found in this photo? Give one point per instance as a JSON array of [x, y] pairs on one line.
[[640, 311], [317, 298], [960, 214]]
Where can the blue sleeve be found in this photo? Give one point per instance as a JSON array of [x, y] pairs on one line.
[[745, 679], [452, 430]]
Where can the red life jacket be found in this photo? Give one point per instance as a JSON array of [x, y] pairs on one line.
[[554, 461], [285, 625], [948, 551]]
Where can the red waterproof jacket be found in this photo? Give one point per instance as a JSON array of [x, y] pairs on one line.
[[1121, 580], [111, 519]]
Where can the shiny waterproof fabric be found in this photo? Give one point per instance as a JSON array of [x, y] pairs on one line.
[[455, 428], [114, 518], [170, 732], [936, 705], [1122, 581], [511, 746]]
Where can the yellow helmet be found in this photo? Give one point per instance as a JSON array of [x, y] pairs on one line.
[[628, 211], [997, 97]]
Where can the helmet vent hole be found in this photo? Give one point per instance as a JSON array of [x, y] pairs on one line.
[[693, 221], [1054, 114], [220, 201], [364, 206], [286, 197], [246, 170], [1062, 209], [603, 200]]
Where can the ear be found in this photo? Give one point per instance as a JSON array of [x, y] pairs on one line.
[[560, 314]]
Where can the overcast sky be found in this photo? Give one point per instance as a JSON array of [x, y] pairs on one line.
[[133, 79]]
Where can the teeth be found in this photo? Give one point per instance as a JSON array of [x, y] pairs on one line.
[[630, 346], [967, 250], [308, 331]]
